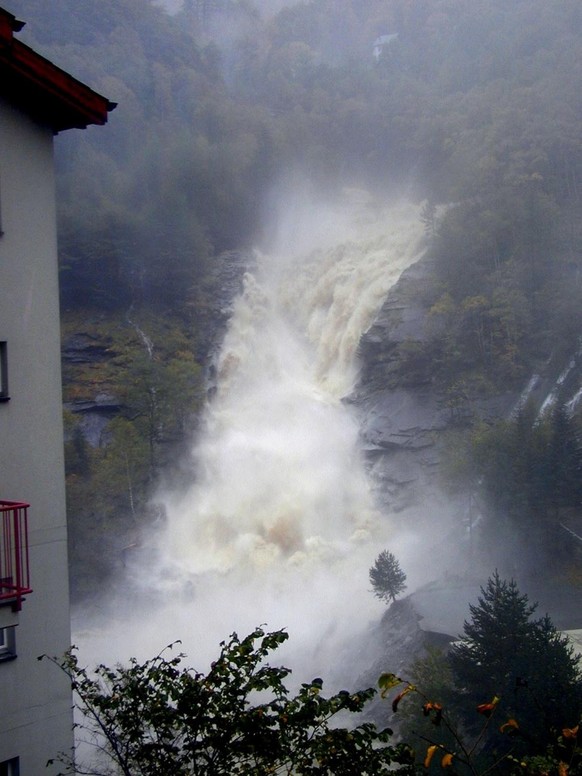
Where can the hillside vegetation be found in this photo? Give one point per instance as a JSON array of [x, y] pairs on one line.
[[472, 108]]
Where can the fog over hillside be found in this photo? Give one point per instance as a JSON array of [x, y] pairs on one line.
[[413, 385], [267, 7]]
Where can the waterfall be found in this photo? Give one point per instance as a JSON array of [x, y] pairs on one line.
[[525, 395], [552, 397], [279, 475], [146, 341], [279, 525]]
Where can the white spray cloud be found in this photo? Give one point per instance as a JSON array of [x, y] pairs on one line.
[[279, 525]]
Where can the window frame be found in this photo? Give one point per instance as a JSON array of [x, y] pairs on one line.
[[10, 767], [8, 644], [4, 391]]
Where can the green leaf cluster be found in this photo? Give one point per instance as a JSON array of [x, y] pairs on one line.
[[159, 718]]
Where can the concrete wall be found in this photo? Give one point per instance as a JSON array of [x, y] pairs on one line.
[[35, 709]]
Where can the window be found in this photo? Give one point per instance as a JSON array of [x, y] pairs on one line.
[[7, 647], [10, 767], [4, 396]]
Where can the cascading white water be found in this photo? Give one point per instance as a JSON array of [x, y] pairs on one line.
[[279, 475], [279, 526]]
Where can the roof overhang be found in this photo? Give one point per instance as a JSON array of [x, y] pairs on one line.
[[40, 88]]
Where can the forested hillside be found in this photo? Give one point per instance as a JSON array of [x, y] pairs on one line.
[[473, 109]]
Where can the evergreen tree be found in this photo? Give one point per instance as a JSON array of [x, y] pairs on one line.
[[387, 578], [484, 661], [564, 460], [526, 662]]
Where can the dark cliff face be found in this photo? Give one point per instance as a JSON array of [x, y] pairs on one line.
[[400, 418], [412, 438], [405, 410], [399, 640], [212, 301], [392, 645]]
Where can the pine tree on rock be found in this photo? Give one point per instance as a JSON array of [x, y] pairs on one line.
[[387, 578]]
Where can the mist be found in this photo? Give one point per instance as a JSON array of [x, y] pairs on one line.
[[279, 525], [284, 511], [266, 7]]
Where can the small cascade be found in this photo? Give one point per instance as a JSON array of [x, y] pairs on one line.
[[147, 342], [557, 390], [552, 397], [525, 395], [573, 403]]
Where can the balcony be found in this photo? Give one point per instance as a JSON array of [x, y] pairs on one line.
[[14, 573]]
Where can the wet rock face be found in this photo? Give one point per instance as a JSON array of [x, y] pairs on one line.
[[393, 645], [83, 348], [94, 416], [213, 302], [399, 425], [404, 311], [95, 412], [399, 430], [399, 419]]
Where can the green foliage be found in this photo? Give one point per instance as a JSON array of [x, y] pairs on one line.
[[480, 101], [476, 103], [507, 700], [158, 718], [432, 677], [495, 743], [387, 578], [153, 398], [526, 662], [529, 474]]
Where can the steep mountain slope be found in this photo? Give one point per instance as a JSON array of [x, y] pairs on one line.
[[473, 112]]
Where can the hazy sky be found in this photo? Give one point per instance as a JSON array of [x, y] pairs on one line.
[[171, 5], [263, 5]]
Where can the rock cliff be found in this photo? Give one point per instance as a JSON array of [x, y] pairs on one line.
[[399, 423]]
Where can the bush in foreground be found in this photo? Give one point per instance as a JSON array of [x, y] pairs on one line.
[[161, 719]]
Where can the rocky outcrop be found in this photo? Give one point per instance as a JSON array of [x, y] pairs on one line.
[[402, 414], [93, 412], [399, 424], [83, 348], [393, 645], [403, 418], [94, 416], [213, 300]]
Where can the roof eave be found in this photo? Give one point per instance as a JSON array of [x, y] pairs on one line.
[[41, 88]]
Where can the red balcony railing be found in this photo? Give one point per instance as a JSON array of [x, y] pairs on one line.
[[14, 574]]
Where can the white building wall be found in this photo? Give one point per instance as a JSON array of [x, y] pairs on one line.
[[35, 707]]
